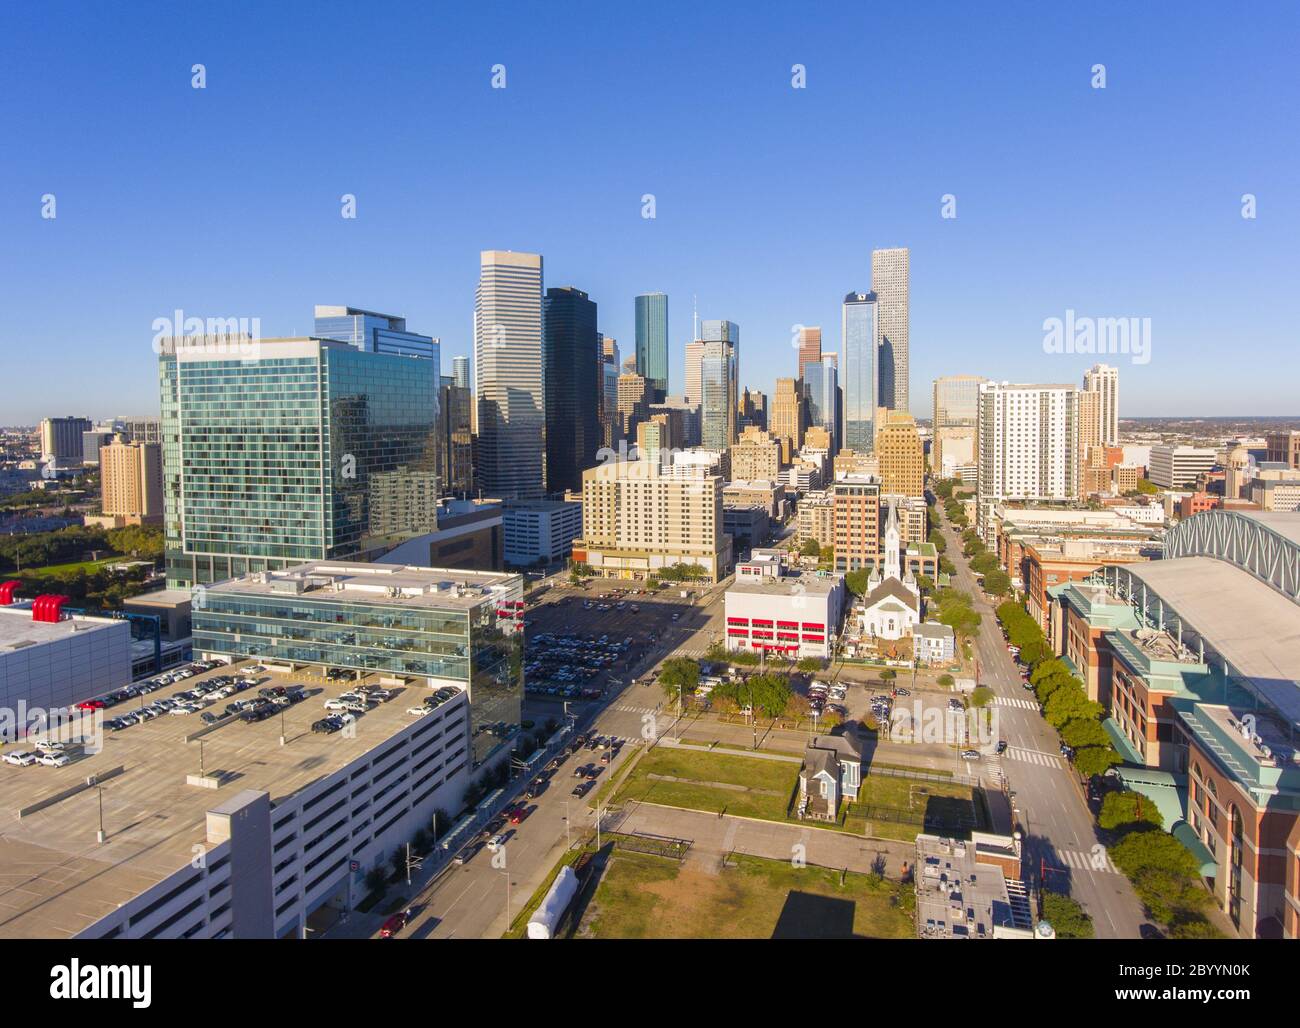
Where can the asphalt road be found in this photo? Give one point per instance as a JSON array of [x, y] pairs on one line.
[[1062, 848]]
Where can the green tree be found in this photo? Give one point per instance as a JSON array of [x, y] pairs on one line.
[[856, 581], [982, 563], [946, 681], [1128, 809], [1066, 916], [997, 582], [1095, 760], [1067, 703], [981, 697], [680, 676], [811, 548], [1081, 732]]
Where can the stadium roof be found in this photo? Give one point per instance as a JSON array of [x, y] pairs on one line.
[[1252, 626]]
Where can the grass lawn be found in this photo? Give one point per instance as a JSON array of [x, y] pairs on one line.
[[647, 897], [896, 808], [86, 565], [764, 787], [887, 807]]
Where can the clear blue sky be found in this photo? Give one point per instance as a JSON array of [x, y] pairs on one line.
[[225, 201]]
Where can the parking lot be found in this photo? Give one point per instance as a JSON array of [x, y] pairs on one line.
[[581, 642]]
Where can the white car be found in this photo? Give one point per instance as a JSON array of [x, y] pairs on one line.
[[336, 704], [495, 843], [184, 708], [419, 711], [347, 719], [21, 758], [56, 759], [49, 746]]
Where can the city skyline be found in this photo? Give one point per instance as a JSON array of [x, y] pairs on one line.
[[1064, 234]]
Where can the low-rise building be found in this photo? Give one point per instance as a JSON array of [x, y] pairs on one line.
[[831, 773], [971, 888], [184, 830], [433, 627], [1177, 467], [934, 643], [792, 615], [540, 531], [52, 659]]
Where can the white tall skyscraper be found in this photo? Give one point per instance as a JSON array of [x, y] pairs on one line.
[[890, 271], [1028, 444], [1104, 379], [509, 375], [693, 364]]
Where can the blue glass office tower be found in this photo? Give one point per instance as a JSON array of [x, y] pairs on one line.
[[858, 342], [719, 375], [373, 333], [652, 341], [310, 449], [821, 391]]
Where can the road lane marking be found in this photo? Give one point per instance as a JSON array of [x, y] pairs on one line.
[[1034, 757]]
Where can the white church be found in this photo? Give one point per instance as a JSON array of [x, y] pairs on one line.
[[891, 607]]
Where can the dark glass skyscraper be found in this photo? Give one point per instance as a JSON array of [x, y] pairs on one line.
[[572, 349], [652, 341]]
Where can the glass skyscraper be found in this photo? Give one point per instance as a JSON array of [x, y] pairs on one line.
[[373, 333], [313, 450], [821, 390], [858, 342], [652, 341], [719, 374], [572, 387]]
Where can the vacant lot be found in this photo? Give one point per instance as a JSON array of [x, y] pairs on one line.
[[712, 781], [902, 808], [723, 781], [646, 897]]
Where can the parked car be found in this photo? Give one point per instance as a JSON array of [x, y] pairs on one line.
[[518, 815], [1002, 746], [971, 755], [21, 758], [55, 759], [91, 705], [394, 924], [581, 789]]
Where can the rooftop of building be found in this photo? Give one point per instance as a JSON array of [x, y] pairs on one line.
[[383, 584], [18, 630], [1252, 626], [960, 894], [795, 583], [59, 879]]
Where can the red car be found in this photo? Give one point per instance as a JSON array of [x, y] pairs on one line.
[[518, 814], [393, 925], [91, 705]]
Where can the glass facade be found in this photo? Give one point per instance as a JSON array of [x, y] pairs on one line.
[[858, 338], [312, 451], [476, 645], [652, 341], [719, 375], [377, 333]]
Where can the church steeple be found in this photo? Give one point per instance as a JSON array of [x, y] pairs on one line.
[[893, 537]]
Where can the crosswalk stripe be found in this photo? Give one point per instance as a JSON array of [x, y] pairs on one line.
[[1084, 862], [1014, 701], [1034, 757]]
